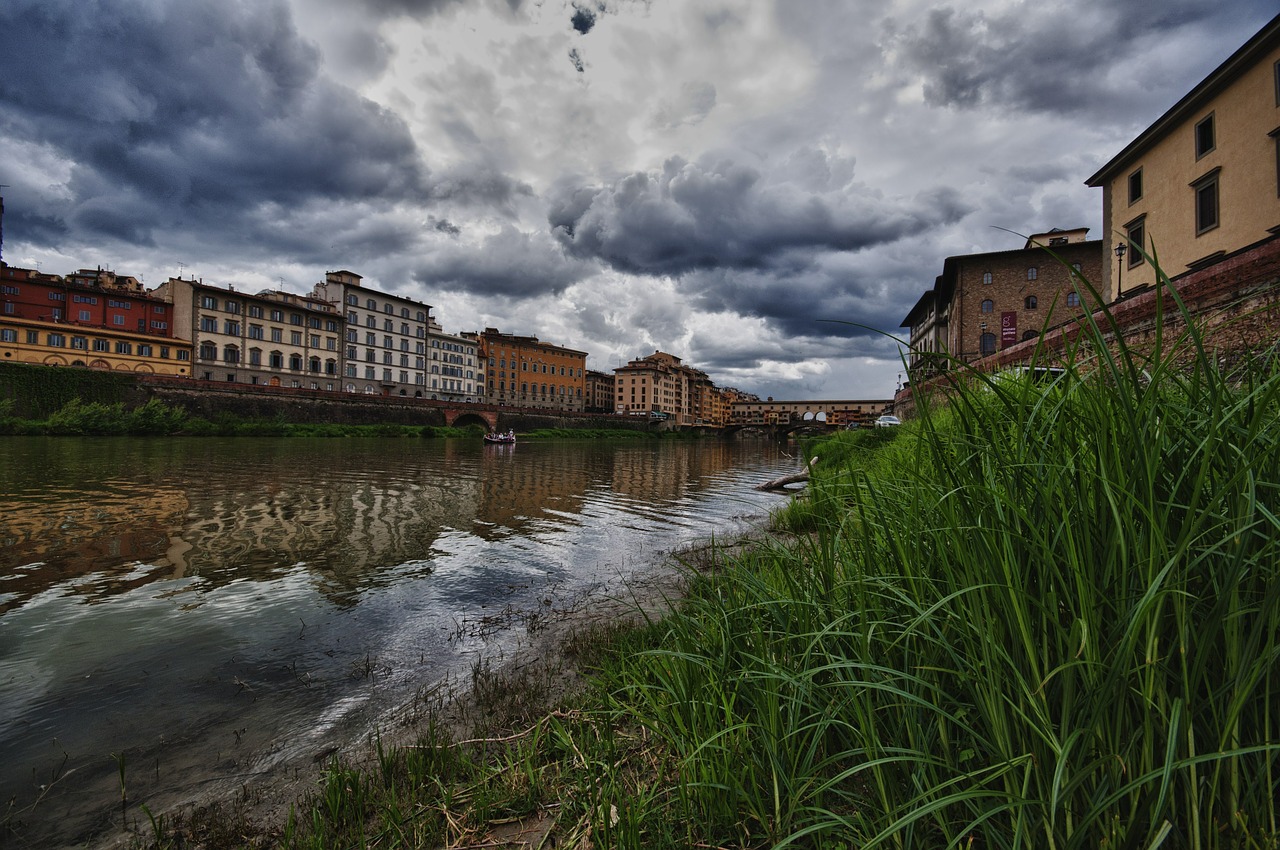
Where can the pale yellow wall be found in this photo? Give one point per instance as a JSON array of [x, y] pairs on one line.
[[1249, 205]]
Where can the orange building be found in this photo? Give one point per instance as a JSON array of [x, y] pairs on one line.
[[525, 372]]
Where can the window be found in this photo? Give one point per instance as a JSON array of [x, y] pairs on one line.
[[231, 328], [84, 315], [1073, 299], [295, 337], [101, 345], [231, 354], [1136, 234], [57, 341], [255, 332], [208, 324], [115, 320], [277, 315], [988, 305], [1205, 140], [1030, 335], [183, 354], [124, 348], [208, 302], [144, 350], [8, 335], [255, 356], [77, 342], [1032, 273], [277, 335], [1031, 302], [1206, 189], [233, 306], [275, 360], [255, 311], [988, 344], [208, 351], [1135, 186]]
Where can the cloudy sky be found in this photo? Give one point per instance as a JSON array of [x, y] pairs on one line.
[[763, 188]]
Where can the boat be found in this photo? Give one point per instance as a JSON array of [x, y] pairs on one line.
[[509, 438]]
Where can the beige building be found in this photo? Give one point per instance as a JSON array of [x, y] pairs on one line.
[[385, 351], [454, 373], [270, 338], [984, 303], [1203, 181], [662, 387]]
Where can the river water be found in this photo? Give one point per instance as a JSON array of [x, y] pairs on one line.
[[183, 615]]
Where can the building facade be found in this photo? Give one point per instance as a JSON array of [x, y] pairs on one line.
[[1203, 181], [270, 338], [454, 371], [385, 345], [983, 303], [523, 371], [93, 318], [599, 392]]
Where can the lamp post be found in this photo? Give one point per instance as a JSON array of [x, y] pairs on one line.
[[1120, 251]]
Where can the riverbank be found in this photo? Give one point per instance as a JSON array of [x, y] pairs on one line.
[[466, 733], [1046, 614]]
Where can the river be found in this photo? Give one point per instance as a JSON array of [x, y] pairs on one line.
[[180, 616]]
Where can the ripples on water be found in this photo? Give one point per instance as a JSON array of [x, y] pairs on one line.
[[215, 608]]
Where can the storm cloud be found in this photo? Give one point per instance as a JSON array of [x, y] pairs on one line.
[[720, 212]]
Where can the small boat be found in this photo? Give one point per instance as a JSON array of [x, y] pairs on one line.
[[509, 438]]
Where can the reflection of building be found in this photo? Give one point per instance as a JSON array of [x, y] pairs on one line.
[[386, 336], [272, 338], [1203, 181], [525, 372], [93, 318], [982, 303], [454, 376]]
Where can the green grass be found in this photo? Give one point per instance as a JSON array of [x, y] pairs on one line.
[[1038, 615]]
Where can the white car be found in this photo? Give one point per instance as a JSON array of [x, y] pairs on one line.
[[888, 421]]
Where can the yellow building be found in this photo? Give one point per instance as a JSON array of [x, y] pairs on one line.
[[1203, 181], [92, 319]]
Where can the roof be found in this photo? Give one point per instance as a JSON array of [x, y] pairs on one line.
[[1228, 72]]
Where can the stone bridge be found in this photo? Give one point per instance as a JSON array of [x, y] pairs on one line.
[[462, 417]]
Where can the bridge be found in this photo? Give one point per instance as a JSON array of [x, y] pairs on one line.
[[790, 415]]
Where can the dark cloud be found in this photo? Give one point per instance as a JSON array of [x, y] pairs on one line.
[[583, 18], [444, 226], [575, 58], [200, 111], [509, 263], [1046, 58], [721, 213]]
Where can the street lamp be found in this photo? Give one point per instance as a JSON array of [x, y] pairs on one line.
[[1120, 250]]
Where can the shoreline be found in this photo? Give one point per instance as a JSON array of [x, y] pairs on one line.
[[535, 676]]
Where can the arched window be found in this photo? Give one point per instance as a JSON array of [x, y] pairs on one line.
[[1032, 273], [1030, 335], [988, 305], [1073, 299], [988, 344], [986, 277], [1031, 303]]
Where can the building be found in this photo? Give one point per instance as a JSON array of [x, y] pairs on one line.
[[272, 338], [386, 336], [1203, 181], [656, 386], [93, 318], [982, 303], [525, 372], [454, 374], [599, 392]]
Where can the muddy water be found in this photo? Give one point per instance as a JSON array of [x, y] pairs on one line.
[[181, 616]]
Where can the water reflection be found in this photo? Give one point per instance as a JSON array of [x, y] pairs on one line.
[[218, 607]]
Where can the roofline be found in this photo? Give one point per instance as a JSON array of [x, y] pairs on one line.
[[1222, 76]]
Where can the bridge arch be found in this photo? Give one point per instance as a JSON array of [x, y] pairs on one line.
[[488, 419]]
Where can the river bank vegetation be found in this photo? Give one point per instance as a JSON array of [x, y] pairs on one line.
[[1043, 614]]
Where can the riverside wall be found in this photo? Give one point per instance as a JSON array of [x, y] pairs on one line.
[[1234, 306], [37, 391]]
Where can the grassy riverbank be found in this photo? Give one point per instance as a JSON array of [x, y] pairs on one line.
[[1047, 615]]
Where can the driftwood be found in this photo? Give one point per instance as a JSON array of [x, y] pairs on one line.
[[793, 478]]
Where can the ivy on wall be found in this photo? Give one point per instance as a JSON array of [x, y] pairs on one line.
[[38, 391]]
